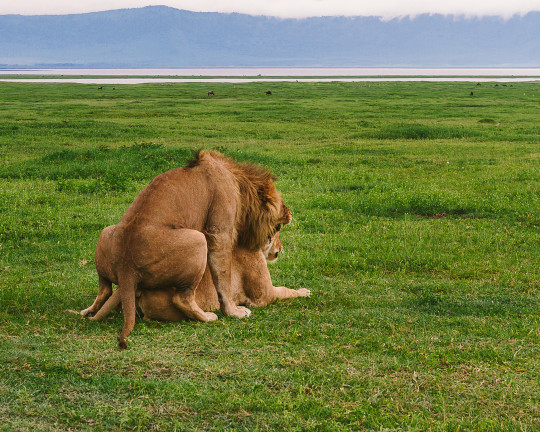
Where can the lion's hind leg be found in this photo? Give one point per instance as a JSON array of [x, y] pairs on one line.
[[112, 302], [192, 248], [185, 301], [105, 291]]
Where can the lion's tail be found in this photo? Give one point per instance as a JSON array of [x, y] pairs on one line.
[[127, 287]]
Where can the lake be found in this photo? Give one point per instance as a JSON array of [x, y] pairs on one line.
[[238, 75]]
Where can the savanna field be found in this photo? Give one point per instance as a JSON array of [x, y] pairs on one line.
[[416, 225]]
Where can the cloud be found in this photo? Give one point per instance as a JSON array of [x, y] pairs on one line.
[[288, 8], [384, 8]]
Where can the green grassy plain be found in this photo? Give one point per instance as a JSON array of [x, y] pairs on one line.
[[416, 224]]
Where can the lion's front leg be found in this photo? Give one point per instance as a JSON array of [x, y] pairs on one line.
[[284, 293], [220, 268]]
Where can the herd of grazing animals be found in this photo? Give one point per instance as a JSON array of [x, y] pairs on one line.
[[269, 93], [210, 93]]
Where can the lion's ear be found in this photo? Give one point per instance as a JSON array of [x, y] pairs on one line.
[[267, 195], [285, 214]]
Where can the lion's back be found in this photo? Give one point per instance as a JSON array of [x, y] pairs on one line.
[[171, 197]]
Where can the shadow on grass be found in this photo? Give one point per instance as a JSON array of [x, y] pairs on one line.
[[489, 306], [100, 163]]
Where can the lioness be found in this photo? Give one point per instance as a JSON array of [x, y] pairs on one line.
[[250, 282], [195, 216]]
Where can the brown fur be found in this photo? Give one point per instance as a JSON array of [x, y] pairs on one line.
[[251, 285], [183, 220]]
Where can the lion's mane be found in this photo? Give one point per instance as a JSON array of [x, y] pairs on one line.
[[259, 203]]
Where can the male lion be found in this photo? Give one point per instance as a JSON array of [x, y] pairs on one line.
[[183, 220], [250, 282]]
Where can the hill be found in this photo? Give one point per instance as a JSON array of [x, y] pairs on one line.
[[159, 36]]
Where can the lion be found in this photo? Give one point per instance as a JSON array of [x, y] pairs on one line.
[[250, 281], [196, 216]]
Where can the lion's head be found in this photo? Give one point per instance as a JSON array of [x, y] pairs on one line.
[[273, 248], [261, 211]]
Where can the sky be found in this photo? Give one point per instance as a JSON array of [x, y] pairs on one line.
[[286, 8]]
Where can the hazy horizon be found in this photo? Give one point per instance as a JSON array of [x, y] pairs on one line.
[[163, 37], [386, 9]]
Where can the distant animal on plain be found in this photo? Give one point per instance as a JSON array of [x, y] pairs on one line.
[[211, 93], [269, 93], [100, 88], [472, 94]]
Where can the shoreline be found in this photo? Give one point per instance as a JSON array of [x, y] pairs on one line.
[[267, 74], [237, 80]]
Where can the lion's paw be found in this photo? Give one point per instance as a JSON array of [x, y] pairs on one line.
[[84, 312], [304, 292], [70, 311], [210, 316], [240, 312]]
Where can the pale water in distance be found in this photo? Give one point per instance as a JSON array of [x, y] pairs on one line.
[[285, 71], [233, 75]]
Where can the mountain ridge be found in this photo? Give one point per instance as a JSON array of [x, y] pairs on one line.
[[161, 36]]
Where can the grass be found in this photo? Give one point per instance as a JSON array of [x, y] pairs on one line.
[[415, 224]]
